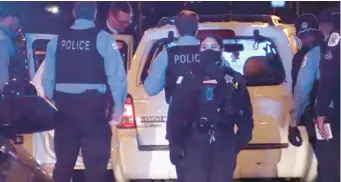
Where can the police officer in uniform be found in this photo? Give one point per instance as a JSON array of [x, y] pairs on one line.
[[305, 74], [328, 102], [205, 106], [119, 17], [9, 24], [176, 59], [79, 63]]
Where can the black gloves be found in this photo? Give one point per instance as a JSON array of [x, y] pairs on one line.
[[177, 153], [295, 136]]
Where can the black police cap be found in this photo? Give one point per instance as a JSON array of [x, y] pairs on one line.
[[306, 23], [187, 22]]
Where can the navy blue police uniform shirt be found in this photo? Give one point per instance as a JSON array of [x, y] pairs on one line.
[[113, 63], [329, 84]]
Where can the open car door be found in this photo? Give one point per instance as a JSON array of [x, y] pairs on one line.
[[42, 146]]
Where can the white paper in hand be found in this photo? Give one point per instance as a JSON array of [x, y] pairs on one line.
[[327, 129]]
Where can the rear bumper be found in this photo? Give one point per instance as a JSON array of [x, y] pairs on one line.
[[251, 146], [255, 161]]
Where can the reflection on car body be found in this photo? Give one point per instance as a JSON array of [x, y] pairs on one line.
[[16, 165]]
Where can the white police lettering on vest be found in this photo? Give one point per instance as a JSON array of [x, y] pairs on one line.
[[186, 58], [82, 45]]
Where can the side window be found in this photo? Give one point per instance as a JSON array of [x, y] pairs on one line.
[[157, 47], [39, 51]]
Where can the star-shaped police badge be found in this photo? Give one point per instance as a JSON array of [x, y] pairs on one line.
[[304, 25], [228, 79]]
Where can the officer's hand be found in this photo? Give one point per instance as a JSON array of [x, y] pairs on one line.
[[177, 153], [115, 120], [320, 125], [294, 136]]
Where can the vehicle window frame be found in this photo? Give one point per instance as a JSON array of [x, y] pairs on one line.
[[158, 44], [34, 50]]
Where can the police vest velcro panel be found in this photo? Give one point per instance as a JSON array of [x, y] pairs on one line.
[[77, 57], [180, 61]]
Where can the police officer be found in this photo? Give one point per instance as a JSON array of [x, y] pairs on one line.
[[176, 59], [305, 74], [9, 24], [328, 101], [79, 63], [205, 106], [119, 17]]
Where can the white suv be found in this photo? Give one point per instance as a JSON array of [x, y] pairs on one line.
[[140, 150]]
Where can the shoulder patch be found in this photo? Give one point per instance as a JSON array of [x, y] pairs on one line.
[[114, 45], [304, 62], [334, 39]]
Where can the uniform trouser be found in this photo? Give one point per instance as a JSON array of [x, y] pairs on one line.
[[81, 125], [328, 156], [208, 163], [310, 127]]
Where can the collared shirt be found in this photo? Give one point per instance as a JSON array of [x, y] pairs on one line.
[[6, 51], [113, 31], [306, 78], [155, 82], [114, 68]]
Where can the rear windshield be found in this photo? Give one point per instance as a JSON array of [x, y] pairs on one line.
[[258, 61]]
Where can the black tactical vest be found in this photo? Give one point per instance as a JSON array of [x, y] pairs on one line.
[[215, 99], [180, 60], [77, 57]]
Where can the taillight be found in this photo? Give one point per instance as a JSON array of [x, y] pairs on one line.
[[128, 118]]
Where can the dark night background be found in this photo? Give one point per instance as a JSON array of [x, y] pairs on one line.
[[35, 18]]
